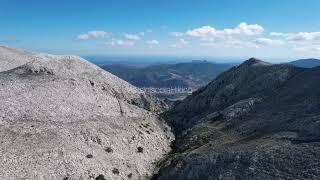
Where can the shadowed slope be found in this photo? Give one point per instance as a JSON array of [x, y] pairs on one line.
[[266, 130]]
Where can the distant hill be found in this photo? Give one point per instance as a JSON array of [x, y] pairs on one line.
[[193, 74], [306, 63]]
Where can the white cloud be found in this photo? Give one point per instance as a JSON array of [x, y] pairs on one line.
[[174, 45], [183, 41], [120, 42], [268, 42], [248, 29], [153, 42], [210, 33], [93, 34], [300, 36], [241, 44], [305, 36], [149, 30], [308, 49], [303, 40], [204, 31], [231, 43], [280, 34], [276, 34], [308, 42], [176, 34], [142, 33], [83, 37], [132, 37], [98, 34]]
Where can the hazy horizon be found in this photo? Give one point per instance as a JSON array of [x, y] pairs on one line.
[[270, 30], [100, 59]]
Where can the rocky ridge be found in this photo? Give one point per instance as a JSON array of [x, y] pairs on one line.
[[62, 117]]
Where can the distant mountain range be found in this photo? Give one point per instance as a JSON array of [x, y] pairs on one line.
[[193, 74], [306, 63]]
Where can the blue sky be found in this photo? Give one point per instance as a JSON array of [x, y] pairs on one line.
[[273, 29]]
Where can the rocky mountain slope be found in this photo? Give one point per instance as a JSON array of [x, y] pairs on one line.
[[189, 75], [253, 79], [62, 117], [255, 121]]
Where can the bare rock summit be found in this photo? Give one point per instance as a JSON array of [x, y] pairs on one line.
[[62, 117]]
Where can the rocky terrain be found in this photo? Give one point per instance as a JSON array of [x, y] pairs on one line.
[[62, 117], [255, 121]]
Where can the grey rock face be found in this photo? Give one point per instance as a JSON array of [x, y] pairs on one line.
[[63, 117], [265, 128]]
